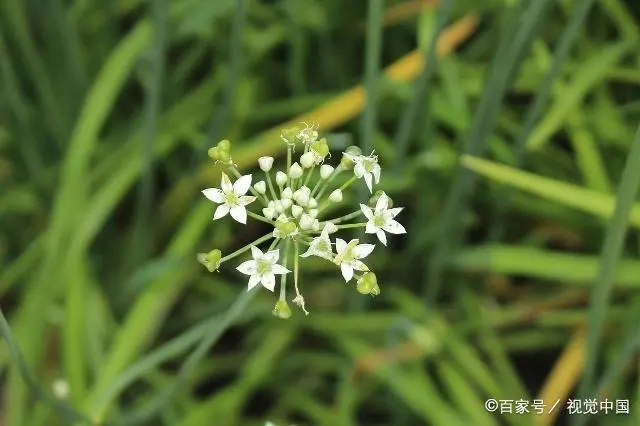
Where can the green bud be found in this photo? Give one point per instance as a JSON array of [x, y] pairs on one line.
[[210, 260], [368, 284], [224, 145], [374, 200], [289, 134], [282, 310], [346, 163], [321, 147], [225, 156], [214, 153]]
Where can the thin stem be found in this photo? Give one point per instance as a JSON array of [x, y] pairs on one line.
[[273, 191], [346, 217], [259, 217], [348, 183], [247, 247], [288, 164], [274, 243], [299, 299], [308, 178], [283, 277], [352, 225], [324, 188], [325, 183]]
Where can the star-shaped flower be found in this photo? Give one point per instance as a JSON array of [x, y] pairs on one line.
[[349, 255], [382, 220], [263, 268], [367, 167], [231, 197], [320, 246]]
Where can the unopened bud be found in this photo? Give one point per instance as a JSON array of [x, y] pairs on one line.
[[306, 222], [330, 227], [287, 192], [325, 171], [296, 210], [320, 148], [214, 153], [347, 163], [295, 171], [335, 196], [260, 187], [313, 203], [281, 178], [306, 160], [265, 163]]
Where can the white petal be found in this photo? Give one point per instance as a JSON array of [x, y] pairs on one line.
[[225, 183], [254, 280], [241, 186], [382, 237], [359, 266], [363, 250], [214, 194], [309, 252], [382, 203], [268, 281], [358, 170], [366, 210], [256, 253], [279, 270], [367, 179], [394, 227], [247, 199], [394, 211], [371, 228], [221, 211], [272, 256], [347, 271], [341, 245], [376, 173], [239, 213], [248, 268]]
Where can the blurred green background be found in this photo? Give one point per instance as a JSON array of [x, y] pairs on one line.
[[517, 278]]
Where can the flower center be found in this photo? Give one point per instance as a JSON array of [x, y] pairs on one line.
[[379, 221], [323, 246], [263, 267], [231, 198], [368, 164]]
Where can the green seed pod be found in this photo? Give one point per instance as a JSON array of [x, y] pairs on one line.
[[225, 156], [224, 145], [345, 162], [368, 284], [210, 260], [374, 200], [289, 135], [320, 148], [214, 153], [282, 310]]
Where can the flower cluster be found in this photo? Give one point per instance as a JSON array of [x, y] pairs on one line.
[[295, 202]]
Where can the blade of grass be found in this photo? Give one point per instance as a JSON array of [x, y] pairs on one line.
[[504, 65], [68, 206], [610, 256], [371, 73], [586, 200], [563, 267], [421, 86]]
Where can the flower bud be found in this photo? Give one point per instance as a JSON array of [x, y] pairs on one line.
[[295, 171], [347, 163], [224, 145], [301, 196], [281, 178], [335, 196], [368, 284], [374, 199], [330, 227], [306, 222], [287, 192], [210, 260], [269, 212], [224, 151], [313, 213], [265, 163], [316, 225], [260, 187], [282, 310], [279, 206], [286, 203], [325, 171], [296, 210], [289, 135], [313, 203], [214, 153], [306, 160]]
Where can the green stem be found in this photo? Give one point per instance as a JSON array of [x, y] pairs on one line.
[[324, 184], [259, 217], [270, 183], [247, 247], [288, 164], [346, 217], [348, 183], [274, 243], [352, 225], [283, 277], [308, 178]]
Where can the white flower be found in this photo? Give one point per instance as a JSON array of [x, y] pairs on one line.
[[336, 196], [262, 269], [349, 255], [382, 219], [265, 163], [231, 198], [366, 167], [326, 171], [320, 246]]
